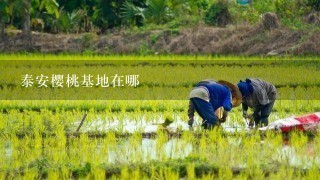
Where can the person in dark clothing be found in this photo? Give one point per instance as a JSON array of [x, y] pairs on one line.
[[260, 96], [208, 96]]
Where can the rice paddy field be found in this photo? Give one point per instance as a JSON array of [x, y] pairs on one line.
[[127, 98]]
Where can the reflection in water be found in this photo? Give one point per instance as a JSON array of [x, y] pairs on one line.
[[133, 150], [125, 152], [129, 126], [289, 155], [129, 150]]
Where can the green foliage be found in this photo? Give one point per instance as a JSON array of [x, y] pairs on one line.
[[217, 14], [158, 11], [4, 10], [106, 14], [74, 16], [51, 7], [4, 17], [263, 6], [197, 6], [42, 164], [187, 7], [242, 14], [289, 8], [132, 14], [168, 120], [75, 22], [82, 171], [65, 21], [314, 4]]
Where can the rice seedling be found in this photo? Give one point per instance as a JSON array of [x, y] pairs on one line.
[[121, 138]]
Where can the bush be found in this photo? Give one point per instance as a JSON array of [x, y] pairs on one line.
[[88, 39], [269, 21], [218, 14], [292, 8], [247, 14], [264, 6]]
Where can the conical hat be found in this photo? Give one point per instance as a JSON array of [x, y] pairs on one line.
[[236, 94]]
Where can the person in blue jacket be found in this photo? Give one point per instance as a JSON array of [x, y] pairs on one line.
[[208, 96]]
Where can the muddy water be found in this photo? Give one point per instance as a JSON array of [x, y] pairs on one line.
[[179, 148], [129, 126], [148, 150], [144, 150], [125, 151]]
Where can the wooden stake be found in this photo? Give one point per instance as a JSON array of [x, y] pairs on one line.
[[83, 118]]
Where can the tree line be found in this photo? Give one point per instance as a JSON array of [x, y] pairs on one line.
[[75, 16]]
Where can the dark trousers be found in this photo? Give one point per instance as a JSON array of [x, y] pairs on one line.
[[261, 114], [206, 112]]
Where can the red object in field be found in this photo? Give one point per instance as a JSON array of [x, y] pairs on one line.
[[308, 122]]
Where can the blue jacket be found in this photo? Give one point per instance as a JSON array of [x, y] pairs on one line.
[[219, 95]]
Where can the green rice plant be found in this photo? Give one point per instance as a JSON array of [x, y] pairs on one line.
[[167, 173], [125, 173], [65, 173], [97, 173], [208, 176], [202, 151], [225, 173], [3, 175], [162, 138], [313, 173], [33, 133], [284, 172], [191, 172]]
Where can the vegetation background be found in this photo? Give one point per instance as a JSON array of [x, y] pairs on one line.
[[105, 17]]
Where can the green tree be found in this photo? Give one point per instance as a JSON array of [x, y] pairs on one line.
[[107, 14], [24, 9]]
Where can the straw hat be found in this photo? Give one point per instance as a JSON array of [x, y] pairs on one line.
[[236, 94]]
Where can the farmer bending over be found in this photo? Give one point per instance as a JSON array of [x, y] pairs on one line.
[[260, 96], [208, 96]]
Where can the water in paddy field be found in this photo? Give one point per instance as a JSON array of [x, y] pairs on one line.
[[179, 148], [132, 150], [128, 126], [124, 151], [148, 150]]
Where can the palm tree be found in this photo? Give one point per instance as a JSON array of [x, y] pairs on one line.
[[158, 10], [132, 14]]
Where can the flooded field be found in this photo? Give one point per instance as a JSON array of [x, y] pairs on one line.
[[124, 134]]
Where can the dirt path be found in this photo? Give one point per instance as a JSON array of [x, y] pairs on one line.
[[236, 40]]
